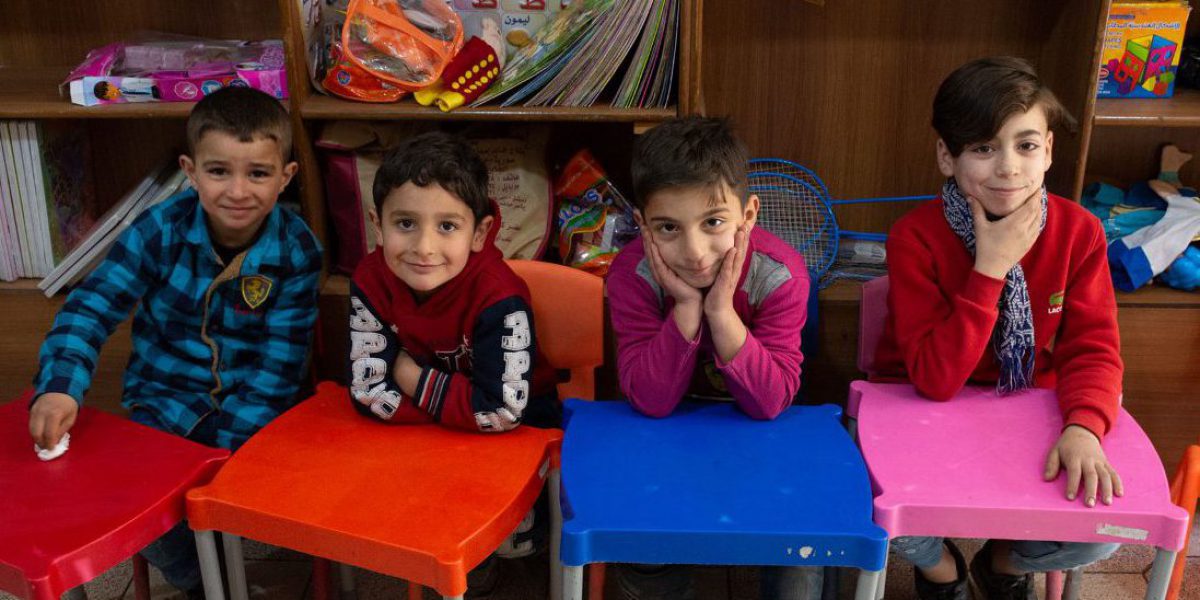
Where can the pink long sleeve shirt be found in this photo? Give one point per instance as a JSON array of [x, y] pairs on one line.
[[657, 366]]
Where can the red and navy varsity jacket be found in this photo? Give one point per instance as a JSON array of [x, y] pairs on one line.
[[474, 339]]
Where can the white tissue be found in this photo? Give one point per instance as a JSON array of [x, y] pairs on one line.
[[58, 450]]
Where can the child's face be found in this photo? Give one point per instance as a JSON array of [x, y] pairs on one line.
[[693, 227], [1004, 172], [427, 235], [238, 183]]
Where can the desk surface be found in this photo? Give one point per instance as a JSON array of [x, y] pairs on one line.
[[709, 485], [120, 486], [972, 467]]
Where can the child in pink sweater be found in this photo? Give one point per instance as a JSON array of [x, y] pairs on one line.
[[705, 305]]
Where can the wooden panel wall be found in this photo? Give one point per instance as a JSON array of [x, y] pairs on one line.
[[846, 88], [29, 316]]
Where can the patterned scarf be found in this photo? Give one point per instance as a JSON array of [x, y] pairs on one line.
[[1012, 339]]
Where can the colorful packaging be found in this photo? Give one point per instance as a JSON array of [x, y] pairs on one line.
[[1142, 43], [176, 69], [518, 19], [594, 219]]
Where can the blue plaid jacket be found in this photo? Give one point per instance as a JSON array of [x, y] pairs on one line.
[[210, 341]]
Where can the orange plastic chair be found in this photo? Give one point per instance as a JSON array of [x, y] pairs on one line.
[[119, 487], [1185, 492], [407, 501]]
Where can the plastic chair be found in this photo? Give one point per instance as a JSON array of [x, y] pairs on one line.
[[119, 487], [972, 467], [407, 501], [1185, 491]]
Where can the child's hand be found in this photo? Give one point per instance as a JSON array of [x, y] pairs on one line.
[[719, 300], [51, 416], [670, 281], [407, 373], [1079, 451], [999, 245], [688, 307]]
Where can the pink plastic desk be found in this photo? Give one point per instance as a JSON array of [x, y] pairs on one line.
[[118, 488], [971, 467]]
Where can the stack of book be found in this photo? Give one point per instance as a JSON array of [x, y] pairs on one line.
[[45, 193], [573, 59], [155, 187]]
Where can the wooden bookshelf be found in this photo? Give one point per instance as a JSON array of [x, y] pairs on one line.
[[32, 93], [328, 107], [1180, 110]]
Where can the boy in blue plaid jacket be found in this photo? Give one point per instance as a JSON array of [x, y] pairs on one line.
[[227, 286]]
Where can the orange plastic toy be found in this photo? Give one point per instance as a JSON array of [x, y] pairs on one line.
[[409, 501], [118, 488], [1185, 492]]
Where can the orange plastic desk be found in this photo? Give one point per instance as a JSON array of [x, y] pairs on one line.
[[419, 502]]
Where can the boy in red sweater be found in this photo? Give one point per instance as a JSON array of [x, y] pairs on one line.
[[1001, 283], [441, 329]]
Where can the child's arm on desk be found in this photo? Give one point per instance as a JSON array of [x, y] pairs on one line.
[[1087, 358], [374, 350], [89, 316], [761, 365], [656, 349], [492, 397]]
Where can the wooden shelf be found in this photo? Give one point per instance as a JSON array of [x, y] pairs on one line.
[[1180, 110], [32, 93], [327, 107], [21, 286], [1158, 296]]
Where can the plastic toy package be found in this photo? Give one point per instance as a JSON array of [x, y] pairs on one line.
[[166, 68], [594, 220]]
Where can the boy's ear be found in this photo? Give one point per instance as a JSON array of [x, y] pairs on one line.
[[374, 216], [750, 211], [289, 171], [189, 168], [1049, 149], [481, 233], [945, 160], [638, 218]]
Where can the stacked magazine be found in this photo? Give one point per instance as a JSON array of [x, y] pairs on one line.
[[87, 254], [573, 59]]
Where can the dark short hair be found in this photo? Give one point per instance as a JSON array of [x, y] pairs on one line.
[[975, 100], [243, 113], [435, 157], [689, 152]]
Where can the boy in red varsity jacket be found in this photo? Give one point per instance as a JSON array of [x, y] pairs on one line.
[[999, 282], [441, 329]]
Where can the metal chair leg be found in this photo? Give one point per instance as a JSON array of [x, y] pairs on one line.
[[1160, 574], [346, 581], [235, 566], [869, 584], [554, 481], [141, 578], [210, 565], [1074, 584], [572, 583], [879, 587]]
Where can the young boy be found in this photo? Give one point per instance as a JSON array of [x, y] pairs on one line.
[[441, 329], [1000, 282], [704, 304], [225, 284]]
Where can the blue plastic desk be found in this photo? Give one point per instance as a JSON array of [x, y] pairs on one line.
[[709, 485]]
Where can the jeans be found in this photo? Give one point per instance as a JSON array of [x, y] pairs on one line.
[[1026, 556], [174, 554]]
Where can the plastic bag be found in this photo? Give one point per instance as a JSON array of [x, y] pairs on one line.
[[406, 43], [594, 220]]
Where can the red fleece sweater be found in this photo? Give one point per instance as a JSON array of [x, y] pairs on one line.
[[942, 312]]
